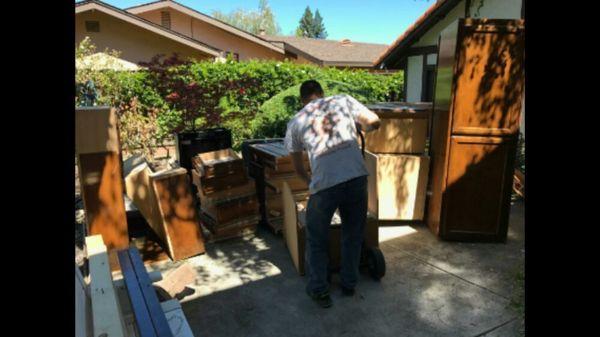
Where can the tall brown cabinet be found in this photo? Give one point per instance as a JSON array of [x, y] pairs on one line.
[[477, 106]]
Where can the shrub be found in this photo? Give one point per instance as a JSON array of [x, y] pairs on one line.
[[171, 95], [274, 114]]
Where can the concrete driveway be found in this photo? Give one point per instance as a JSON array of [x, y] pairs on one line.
[[249, 287]]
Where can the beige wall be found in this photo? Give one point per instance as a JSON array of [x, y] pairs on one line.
[[213, 36], [135, 43]]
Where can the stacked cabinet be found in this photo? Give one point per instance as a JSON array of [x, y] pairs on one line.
[[477, 105]]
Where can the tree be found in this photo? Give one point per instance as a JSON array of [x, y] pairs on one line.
[[311, 26], [305, 29], [253, 21], [319, 27]]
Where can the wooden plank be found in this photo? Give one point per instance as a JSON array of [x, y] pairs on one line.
[[175, 281], [159, 321], [176, 318], [400, 182], [398, 135], [141, 312], [290, 229], [96, 130], [371, 165], [102, 192], [106, 311], [83, 307]]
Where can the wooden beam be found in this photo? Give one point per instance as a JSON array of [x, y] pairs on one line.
[[106, 311]]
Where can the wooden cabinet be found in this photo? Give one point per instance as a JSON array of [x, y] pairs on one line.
[[475, 123], [101, 177]]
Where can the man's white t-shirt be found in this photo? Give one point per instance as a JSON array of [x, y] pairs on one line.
[[326, 129]]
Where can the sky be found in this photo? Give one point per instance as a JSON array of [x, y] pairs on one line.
[[375, 21]]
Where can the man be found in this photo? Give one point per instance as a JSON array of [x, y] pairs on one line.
[[326, 129]]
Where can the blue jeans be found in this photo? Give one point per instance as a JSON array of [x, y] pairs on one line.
[[350, 198]]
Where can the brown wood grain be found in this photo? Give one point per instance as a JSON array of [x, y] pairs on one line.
[[398, 135], [479, 89], [102, 192], [166, 202], [179, 216], [96, 130]]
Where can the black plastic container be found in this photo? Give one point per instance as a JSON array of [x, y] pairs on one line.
[[191, 143]]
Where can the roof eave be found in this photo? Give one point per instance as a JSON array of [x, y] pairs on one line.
[[203, 17], [397, 48], [150, 26]]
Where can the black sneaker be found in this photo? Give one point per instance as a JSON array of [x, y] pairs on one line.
[[323, 299], [347, 291]]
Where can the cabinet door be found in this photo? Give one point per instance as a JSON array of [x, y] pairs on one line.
[[489, 78], [476, 197]]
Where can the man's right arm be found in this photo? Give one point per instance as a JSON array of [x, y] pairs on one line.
[[367, 119]]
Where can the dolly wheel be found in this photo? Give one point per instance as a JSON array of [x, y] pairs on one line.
[[375, 263]]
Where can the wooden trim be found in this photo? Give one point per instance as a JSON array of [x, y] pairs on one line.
[[467, 8], [421, 50], [423, 71], [427, 67]]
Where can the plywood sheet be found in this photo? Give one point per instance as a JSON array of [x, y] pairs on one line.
[[401, 183], [398, 135], [106, 311], [96, 130], [102, 192], [293, 238]]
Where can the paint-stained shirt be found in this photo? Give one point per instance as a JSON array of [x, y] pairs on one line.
[[326, 129]]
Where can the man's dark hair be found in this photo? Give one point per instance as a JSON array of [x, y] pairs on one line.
[[309, 88]]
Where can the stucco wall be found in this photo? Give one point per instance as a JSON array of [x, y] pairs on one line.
[[414, 78], [135, 43], [213, 36]]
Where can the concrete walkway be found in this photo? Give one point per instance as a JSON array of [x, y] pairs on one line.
[[249, 287]]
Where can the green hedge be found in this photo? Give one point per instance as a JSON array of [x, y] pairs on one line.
[[272, 118], [172, 95]]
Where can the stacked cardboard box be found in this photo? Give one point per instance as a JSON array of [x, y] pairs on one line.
[[397, 161], [277, 167], [228, 202]]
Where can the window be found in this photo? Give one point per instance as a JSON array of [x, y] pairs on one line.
[[92, 26], [234, 56], [165, 19], [428, 83]]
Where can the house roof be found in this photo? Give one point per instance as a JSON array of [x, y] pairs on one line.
[[103, 7], [206, 18], [428, 19], [331, 52]]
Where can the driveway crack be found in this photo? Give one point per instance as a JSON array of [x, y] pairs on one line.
[[496, 327], [457, 276]]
